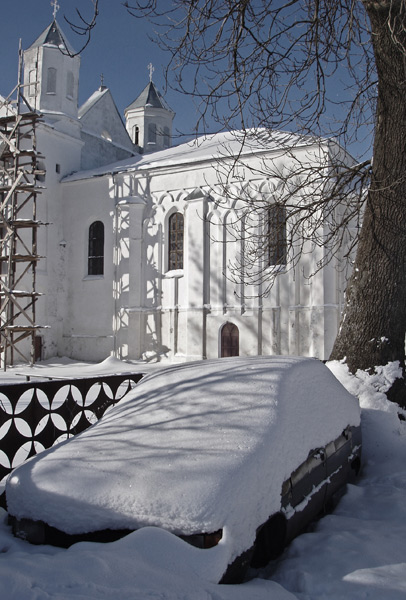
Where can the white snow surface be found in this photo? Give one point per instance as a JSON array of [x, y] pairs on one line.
[[356, 552], [222, 145], [66, 368], [194, 448]]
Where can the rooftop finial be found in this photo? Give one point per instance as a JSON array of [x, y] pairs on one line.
[[151, 70], [56, 6], [102, 86]]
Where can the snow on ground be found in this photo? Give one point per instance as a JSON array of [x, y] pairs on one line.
[[357, 552]]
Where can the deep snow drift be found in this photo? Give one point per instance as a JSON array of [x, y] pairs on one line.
[[357, 552]]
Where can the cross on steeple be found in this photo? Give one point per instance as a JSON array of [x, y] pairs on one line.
[[56, 6], [151, 70]]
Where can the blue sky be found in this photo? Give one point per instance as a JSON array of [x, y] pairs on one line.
[[120, 49]]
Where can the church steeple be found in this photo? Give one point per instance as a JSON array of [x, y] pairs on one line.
[[53, 36], [51, 73], [149, 119]]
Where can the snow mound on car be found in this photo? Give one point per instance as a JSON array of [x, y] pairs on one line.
[[193, 448]]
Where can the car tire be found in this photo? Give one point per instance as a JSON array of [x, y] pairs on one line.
[[270, 541], [237, 571]]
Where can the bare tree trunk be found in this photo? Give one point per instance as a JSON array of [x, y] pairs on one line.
[[374, 320]]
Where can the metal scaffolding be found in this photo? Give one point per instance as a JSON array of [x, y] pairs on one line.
[[19, 188]]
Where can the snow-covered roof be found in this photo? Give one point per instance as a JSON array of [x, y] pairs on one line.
[[216, 146], [193, 448], [90, 102], [53, 36]]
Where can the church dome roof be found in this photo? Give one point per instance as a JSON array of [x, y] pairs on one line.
[[53, 36]]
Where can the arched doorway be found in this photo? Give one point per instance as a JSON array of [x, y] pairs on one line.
[[230, 340]]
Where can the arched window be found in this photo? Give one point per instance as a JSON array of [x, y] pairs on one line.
[[166, 137], [136, 135], [152, 133], [96, 249], [230, 340], [69, 85], [32, 77], [51, 80], [276, 235], [175, 242]]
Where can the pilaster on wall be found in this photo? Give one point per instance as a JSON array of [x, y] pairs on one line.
[[128, 275], [197, 273]]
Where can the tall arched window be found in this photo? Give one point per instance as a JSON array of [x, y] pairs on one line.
[[32, 77], [276, 235], [152, 133], [51, 80], [166, 137], [70, 84], [96, 249], [230, 340], [175, 242], [136, 135]]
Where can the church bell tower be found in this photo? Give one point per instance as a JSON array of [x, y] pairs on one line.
[[51, 75], [149, 119]]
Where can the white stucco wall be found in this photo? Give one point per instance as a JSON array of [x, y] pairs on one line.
[[89, 306], [140, 310], [61, 156]]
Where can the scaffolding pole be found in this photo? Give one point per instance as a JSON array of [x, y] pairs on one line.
[[19, 188]]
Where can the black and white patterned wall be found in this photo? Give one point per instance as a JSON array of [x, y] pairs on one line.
[[35, 416]]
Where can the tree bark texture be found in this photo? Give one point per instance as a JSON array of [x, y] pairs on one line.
[[374, 321]]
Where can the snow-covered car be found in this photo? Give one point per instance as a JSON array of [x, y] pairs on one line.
[[235, 456]]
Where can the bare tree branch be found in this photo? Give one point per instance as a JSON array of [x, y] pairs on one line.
[[84, 27]]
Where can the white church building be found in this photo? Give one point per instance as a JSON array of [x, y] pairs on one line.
[[140, 236]]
